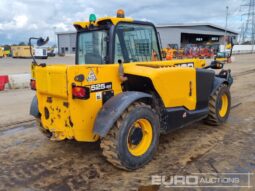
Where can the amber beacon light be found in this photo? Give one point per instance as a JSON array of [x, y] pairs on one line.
[[121, 13]]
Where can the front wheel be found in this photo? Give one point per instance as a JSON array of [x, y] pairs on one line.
[[219, 106], [133, 140]]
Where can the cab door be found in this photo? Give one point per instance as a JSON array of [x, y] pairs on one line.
[[136, 42]]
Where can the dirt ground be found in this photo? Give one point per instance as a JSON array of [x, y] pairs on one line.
[[14, 106], [29, 161]]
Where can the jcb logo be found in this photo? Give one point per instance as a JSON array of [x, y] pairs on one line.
[[189, 65]]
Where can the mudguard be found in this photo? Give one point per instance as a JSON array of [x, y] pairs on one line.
[[223, 77], [34, 108], [112, 110], [227, 75], [217, 82]]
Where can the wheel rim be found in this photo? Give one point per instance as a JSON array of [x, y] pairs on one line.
[[139, 137], [224, 105]]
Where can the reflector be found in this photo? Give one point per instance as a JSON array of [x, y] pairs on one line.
[[33, 84]]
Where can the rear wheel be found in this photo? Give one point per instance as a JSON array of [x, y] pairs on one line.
[[219, 106], [133, 140]]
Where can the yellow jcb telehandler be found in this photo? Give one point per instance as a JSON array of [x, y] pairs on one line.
[[120, 92]]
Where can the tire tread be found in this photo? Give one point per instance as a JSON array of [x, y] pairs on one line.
[[212, 118], [109, 143]]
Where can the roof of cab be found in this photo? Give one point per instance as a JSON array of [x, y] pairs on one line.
[[114, 20]]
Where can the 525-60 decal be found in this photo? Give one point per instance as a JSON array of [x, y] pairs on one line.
[[101, 87]]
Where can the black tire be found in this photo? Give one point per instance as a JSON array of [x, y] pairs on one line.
[[215, 105], [44, 131], [115, 145]]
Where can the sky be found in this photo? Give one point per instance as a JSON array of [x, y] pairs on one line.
[[21, 19]]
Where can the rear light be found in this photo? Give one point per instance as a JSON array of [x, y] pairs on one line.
[[33, 84], [80, 92]]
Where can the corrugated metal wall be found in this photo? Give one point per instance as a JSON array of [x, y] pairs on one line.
[[169, 35], [172, 35], [67, 43]]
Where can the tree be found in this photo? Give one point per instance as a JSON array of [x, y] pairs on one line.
[[7, 47]]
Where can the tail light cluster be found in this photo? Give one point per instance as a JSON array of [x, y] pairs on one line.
[[33, 84], [80, 92]]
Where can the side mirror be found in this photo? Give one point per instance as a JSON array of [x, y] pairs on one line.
[[216, 65], [41, 41]]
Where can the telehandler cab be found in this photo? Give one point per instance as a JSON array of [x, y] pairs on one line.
[[121, 92]]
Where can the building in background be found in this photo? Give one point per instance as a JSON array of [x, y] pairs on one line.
[[179, 35], [199, 34], [66, 42]]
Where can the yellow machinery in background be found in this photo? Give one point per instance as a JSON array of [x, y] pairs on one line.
[[168, 53], [20, 51], [7, 53], [177, 53], [120, 91], [1, 52], [227, 54]]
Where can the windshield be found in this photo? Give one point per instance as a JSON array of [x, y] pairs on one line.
[[136, 43], [92, 47]]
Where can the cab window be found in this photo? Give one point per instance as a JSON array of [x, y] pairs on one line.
[[135, 43], [92, 47]]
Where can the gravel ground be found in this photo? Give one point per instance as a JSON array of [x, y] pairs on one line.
[[29, 161], [19, 66]]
